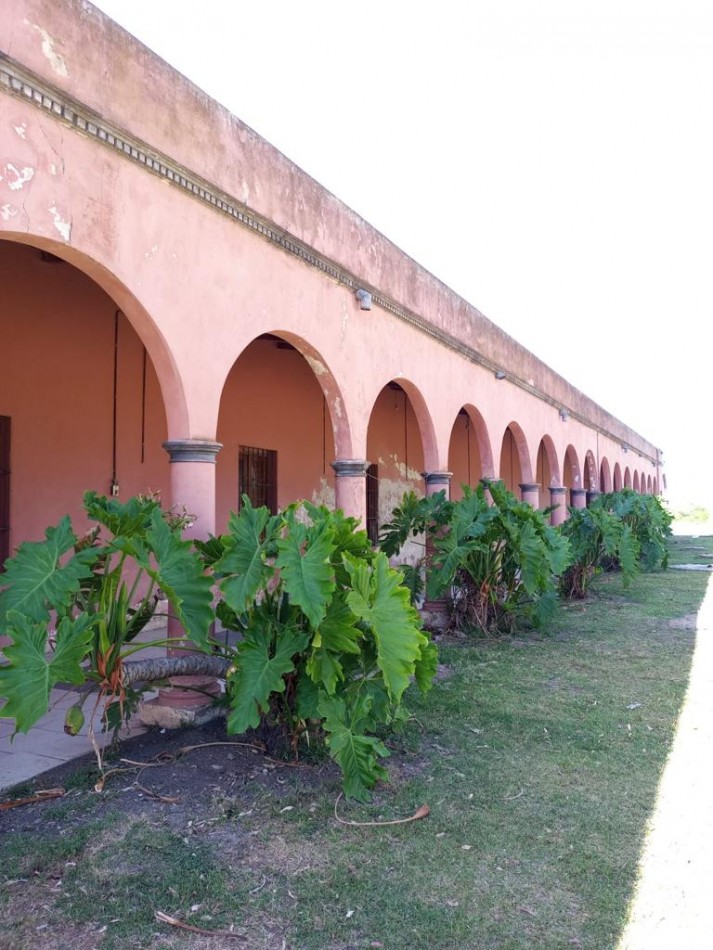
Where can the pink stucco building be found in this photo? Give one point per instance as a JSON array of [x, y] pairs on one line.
[[183, 309]]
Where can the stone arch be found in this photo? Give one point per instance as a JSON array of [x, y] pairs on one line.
[[515, 467], [548, 473], [571, 472], [649, 484], [591, 479], [635, 483], [605, 479], [86, 403], [128, 303], [617, 479], [281, 449], [470, 455], [656, 485], [401, 447], [627, 477], [327, 381]]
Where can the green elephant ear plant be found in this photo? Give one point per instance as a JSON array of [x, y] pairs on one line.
[[596, 536], [494, 557], [73, 607], [326, 638]]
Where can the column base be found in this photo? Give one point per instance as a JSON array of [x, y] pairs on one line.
[[191, 705], [156, 713]]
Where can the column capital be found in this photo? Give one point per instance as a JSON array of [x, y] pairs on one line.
[[192, 450], [557, 490], [350, 468], [578, 492], [530, 486], [433, 479]]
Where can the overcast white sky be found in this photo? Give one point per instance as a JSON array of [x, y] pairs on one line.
[[552, 161]]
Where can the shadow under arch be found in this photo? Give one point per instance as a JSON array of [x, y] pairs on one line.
[[627, 477], [470, 454], [334, 399], [515, 464], [605, 478], [591, 476], [422, 415], [548, 468], [617, 482], [282, 421], [170, 383]]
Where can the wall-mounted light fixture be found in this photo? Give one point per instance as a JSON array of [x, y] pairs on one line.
[[499, 374], [364, 298], [625, 448], [564, 415]]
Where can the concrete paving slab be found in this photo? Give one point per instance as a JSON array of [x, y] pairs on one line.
[[19, 766]]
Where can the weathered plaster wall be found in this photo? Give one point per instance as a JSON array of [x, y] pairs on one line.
[[121, 79], [197, 287]]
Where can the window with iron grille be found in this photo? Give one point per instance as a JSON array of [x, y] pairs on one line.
[[4, 490], [372, 503], [257, 476]]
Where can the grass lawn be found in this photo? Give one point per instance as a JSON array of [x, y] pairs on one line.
[[539, 757]]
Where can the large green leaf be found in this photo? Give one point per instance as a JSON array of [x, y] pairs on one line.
[[325, 669], [337, 635], [123, 518], [628, 554], [178, 570], [453, 550], [243, 563], [264, 656], [305, 569], [30, 674], [338, 632], [382, 602], [355, 753], [426, 666], [36, 581]]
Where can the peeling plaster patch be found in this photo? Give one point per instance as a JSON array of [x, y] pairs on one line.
[[64, 227], [318, 368], [337, 403], [21, 130], [7, 212], [53, 169], [21, 176], [151, 252], [408, 474], [56, 60], [324, 495]]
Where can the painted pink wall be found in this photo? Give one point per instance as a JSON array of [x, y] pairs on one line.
[[197, 287], [56, 384]]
